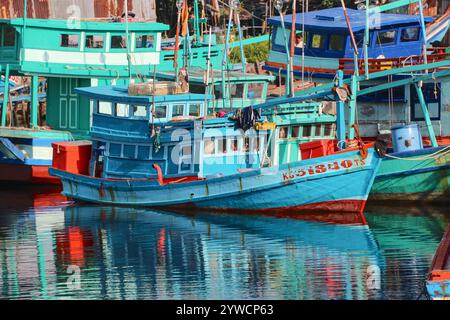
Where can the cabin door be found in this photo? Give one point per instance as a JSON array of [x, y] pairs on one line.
[[68, 104]]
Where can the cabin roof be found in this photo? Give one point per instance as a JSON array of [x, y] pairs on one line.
[[120, 94], [88, 25], [334, 19], [197, 76]]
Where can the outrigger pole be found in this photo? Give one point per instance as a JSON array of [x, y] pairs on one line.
[[179, 5], [292, 53], [354, 84], [279, 7]]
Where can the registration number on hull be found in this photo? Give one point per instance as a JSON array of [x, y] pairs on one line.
[[323, 168]]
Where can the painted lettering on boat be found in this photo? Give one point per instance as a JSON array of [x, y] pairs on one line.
[[323, 168]]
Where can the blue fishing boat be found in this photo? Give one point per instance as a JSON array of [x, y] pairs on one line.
[[142, 155], [324, 42], [438, 282]]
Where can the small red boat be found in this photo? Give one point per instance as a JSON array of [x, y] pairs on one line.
[[438, 282]]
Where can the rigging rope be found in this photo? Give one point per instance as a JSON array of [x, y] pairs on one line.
[[434, 155]]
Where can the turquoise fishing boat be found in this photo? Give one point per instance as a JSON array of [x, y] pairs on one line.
[[438, 282], [364, 42], [409, 171], [69, 55], [221, 167]]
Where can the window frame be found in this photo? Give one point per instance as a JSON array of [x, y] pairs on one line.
[[410, 27], [154, 36], [378, 45], [77, 48], [123, 49], [86, 48]]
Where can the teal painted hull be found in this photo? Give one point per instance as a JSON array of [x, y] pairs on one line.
[[419, 180]]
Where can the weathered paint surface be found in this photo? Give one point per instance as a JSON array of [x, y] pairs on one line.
[[264, 189], [401, 179]]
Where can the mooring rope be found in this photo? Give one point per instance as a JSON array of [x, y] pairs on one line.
[[434, 155]]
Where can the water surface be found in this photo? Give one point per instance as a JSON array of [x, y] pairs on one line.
[[52, 248]]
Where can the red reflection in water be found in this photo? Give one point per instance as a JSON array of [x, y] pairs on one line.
[[71, 246]]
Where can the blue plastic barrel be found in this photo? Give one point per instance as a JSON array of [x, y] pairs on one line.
[[406, 138]]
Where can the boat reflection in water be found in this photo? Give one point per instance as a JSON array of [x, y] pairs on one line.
[[91, 252], [147, 254]]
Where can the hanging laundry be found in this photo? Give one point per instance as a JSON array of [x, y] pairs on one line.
[[246, 118]]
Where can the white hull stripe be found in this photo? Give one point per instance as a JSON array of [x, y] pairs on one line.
[[91, 58]]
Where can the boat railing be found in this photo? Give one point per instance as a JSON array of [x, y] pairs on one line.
[[376, 65]]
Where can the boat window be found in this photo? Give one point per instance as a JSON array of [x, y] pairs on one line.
[[69, 40], [337, 42], [279, 36], [118, 42], [145, 41], [307, 131], [140, 111], [318, 41], [194, 110], [129, 151], [115, 149], [255, 90], [328, 132], [283, 133], [177, 110], [160, 111], [237, 90], [9, 36], [94, 42], [234, 144], [257, 145], [195, 88], [386, 37], [143, 152], [295, 132], [122, 110], [209, 147], [246, 146], [318, 130], [221, 145], [105, 107], [218, 92], [410, 34], [359, 39]]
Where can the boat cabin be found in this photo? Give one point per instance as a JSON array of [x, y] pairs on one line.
[[128, 140], [327, 44], [76, 54], [296, 124], [242, 89]]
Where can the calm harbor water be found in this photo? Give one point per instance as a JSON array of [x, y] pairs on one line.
[[52, 248]]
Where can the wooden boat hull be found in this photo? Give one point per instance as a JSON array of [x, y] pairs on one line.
[[438, 282], [422, 180], [336, 183]]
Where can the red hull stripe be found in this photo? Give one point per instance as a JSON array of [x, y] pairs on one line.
[[338, 206]]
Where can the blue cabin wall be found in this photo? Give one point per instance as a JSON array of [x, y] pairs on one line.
[[396, 49]]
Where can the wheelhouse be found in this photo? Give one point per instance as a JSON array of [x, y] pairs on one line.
[[241, 89], [130, 134], [324, 39]]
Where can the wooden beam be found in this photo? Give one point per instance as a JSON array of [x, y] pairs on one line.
[[391, 5]]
